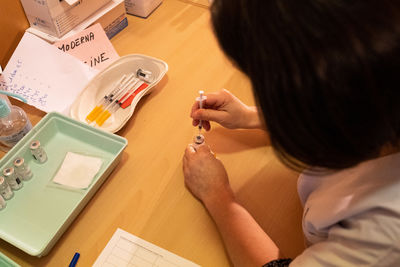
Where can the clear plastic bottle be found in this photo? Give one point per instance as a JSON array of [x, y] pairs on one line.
[[14, 124]]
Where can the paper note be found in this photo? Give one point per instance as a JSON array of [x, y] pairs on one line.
[[91, 46], [125, 249], [47, 78]]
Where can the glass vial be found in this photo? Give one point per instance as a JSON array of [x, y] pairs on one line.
[[2, 203], [5, 189], [22, 169], [198, 139], [38, 152], [12, 179]]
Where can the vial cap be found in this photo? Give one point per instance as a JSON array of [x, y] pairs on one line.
[[8, 172], [18, 162], [199, 139], [144, 75], [4, 108], [35, 145], [2, 180]]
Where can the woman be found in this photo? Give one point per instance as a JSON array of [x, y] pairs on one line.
[[325, 75]]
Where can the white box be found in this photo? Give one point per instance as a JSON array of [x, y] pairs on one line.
[[112, 18], [141, 8], [57, 17]]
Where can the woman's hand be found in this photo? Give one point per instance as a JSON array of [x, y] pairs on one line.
[[245, 240], [205, 176], [227, 110]]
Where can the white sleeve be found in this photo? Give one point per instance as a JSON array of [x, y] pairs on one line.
[[369, 239]]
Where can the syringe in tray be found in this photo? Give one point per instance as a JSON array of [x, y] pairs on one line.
[[147, 78], [98, 109], [129, 88], [123, 102]]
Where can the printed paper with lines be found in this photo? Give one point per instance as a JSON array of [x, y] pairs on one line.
[[125, 249]]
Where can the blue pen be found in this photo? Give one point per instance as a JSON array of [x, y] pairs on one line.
[[74, 260]]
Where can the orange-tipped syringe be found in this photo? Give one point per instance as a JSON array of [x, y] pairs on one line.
[[114, 105], [106, 99], [100, 105], [144, 78]]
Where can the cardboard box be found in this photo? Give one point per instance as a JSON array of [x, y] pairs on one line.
[[112, 18], [141, 8], [57, 17]]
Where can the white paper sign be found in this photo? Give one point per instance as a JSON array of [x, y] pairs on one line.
[[126, 249], [46, 77]]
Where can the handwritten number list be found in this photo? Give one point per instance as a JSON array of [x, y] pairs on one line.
[[32, 93]]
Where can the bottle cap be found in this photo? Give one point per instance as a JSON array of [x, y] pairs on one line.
[[34, 145], [4, 108], [18, 162], [198, 139], [8, 172]]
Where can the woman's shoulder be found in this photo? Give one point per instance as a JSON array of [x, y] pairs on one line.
[[368, 193], [377, 179], [371, 239]]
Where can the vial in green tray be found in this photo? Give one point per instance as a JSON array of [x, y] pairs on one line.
[[5, 190], [38, 152], [12, 179], [22, 169], [2, 203]]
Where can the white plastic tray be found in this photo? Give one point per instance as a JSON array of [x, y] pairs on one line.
[[101, 83]]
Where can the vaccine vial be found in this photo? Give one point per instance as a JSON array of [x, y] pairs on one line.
[[22, 169], [12, 179], [5, 190], [198, 139], [38, 152], [2, 203]]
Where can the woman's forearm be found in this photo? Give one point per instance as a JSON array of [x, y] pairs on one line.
[[252, 119], [245, 240]]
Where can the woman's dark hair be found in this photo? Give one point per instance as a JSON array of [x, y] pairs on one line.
[[325, 73]]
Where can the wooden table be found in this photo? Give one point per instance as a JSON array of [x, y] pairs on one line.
[[145, 195]]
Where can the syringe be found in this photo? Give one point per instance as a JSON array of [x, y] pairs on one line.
[[99, 108], [200, 99], [199, 138], [113, 104]]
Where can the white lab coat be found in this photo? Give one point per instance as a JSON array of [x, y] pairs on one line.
[[352, 217]]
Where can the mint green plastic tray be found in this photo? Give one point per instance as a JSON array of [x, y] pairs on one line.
[[39, 213], [7, 262]]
